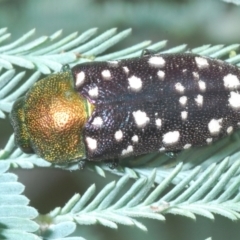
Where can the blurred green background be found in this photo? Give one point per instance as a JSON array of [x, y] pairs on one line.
[[181, 21]]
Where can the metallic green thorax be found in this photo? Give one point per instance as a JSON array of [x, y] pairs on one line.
[[50, 119]]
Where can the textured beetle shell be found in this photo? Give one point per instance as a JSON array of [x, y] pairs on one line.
[[162, 102]]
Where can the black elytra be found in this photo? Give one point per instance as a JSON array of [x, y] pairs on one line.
[[165, 102]]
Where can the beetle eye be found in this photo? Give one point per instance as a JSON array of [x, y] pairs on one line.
[[17, 118]]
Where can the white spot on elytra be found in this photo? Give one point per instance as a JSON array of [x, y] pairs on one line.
[[209, 140], [156, 61], [184, 70], [230, 130], [162, 149], [161, 74], [93, 92], [127, 151], [91, 143], [80, 79], [135, 138], [135, 83], [141, 118], [231, 81], [97, 122], [202, 86], [199, 100], [187, 146], [158, 122], [171, 137], [126, 70], [214, 126], [201, 62], [179, 87], [183, 101], [234, 100], [184, 115], [195, 76], [118, 135], [106, 74]]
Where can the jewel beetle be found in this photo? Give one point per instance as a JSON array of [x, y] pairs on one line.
[[108, 110]]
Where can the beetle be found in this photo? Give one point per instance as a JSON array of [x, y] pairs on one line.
[[113, 109]]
